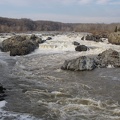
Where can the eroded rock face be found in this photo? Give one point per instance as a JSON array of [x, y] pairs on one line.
[[114, 38], [109, 57], [80, 64], [21, 44]]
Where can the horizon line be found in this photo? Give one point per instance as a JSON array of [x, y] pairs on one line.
[[46, 20]]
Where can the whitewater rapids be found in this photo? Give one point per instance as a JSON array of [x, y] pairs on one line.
[[38, 89]]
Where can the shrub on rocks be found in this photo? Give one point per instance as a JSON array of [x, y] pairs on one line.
[[114, 38]]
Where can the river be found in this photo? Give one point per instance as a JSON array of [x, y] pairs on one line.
[[37, 89]]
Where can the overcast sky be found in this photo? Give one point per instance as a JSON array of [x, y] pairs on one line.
[[67, 11]]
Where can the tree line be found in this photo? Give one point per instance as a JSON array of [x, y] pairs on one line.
[[25, 25]]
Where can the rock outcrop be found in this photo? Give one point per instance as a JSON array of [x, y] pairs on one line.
[[80, 64], [76, 43], [81, 48], [21, 44], [109, 57], [114, 38]]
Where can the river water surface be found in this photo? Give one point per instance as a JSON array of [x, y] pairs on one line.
[[37, 89]]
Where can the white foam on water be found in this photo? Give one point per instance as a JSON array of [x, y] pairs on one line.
[[4, 115], [110, 66], [58, 44], [63, 43], [2, 104], [3, 63], [83, 108], [3, 38]]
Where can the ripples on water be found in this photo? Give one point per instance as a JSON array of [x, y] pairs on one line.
[[36, 86]]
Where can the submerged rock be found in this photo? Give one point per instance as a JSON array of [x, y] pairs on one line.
[[76, 43], [43, 41], [80, 64], [81, 48], [49, 38], [21, 44], [2, 93], [109, 57]]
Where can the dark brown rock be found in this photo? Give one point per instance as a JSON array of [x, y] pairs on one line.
[[81, 48], [96, 38], [21, 45]]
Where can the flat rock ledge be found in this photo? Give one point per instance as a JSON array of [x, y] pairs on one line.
[[85, 63]]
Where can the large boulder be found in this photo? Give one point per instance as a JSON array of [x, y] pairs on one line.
[[105, 59], [109, 57], [80, 64], [21, 44], [114, 38], [81, 48]]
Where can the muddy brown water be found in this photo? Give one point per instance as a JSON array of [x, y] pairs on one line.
[[37, 86]]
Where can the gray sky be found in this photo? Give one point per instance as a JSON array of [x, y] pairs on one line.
[[68, 11]]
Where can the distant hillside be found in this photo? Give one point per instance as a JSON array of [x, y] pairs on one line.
[[24, 25]]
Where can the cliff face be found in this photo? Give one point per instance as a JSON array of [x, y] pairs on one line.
[[114, 38], [24, 25]]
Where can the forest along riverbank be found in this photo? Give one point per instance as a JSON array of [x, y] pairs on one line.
[[37, 86]]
